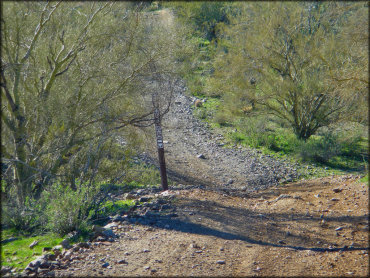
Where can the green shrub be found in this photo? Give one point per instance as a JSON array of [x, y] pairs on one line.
[[68, 210], [237, 137], [25, 218], [200, 113], [285, 141], [321, 149], [143, 174], [111, 207]]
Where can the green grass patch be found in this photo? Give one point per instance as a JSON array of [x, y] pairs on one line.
[[17, 254], [365, 179], [110, 207]]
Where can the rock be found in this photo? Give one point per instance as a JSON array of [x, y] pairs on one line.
[[283, 196], [100, 239], [66, 244], [57, 248], [84, 245], [166, 206], [146, 250], [50, 274], [9, 240], [5, 269], [281, 242], [110, 226], [105, 265], [220, 262], [49, 257], [35, 263], [44, 264], [194, 245], [147, 267], [97, 229], [201, 156], [339, 228], [118, 218], [122, 262], [337, 190], [129, 196], [109, 233], [72, 236], [166, 193], [54, 264], [257, 269], [46, 249], [33, 244], [67, 255], [198, 103], [29, 269], [144, 199], [334, 199], [323, 223]]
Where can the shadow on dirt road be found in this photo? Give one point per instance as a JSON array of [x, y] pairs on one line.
[[230, 223]]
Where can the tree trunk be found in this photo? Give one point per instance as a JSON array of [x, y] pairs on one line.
[[22, 172]]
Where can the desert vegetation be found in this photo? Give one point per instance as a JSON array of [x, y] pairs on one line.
[[77, 79]]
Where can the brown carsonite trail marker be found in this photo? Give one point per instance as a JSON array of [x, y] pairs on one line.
[[162, 163]]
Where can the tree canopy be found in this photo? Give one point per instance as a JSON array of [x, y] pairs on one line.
[[72, 76], [296, 60]]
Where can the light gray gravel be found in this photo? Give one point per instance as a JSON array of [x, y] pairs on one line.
[[195, 155]]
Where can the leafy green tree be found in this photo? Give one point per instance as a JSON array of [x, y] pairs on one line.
[[203, 16], [283, 58], [74, 77]]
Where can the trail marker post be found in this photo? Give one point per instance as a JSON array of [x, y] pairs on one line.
[[160, 146]]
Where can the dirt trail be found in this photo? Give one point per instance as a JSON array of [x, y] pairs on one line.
[[186, 138], [301, 229]]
